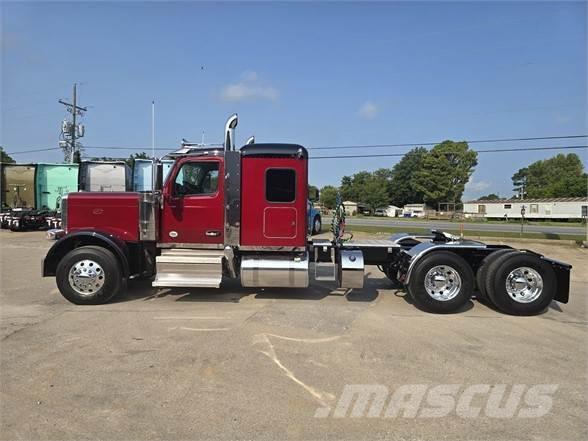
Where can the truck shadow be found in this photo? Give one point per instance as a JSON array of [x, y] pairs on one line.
[[406, 297], [233, 292]]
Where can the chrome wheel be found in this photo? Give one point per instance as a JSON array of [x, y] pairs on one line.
[[86, 277], [524, 284], [442, 283]]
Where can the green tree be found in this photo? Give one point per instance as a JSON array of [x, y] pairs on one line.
[[5, 157], [374, 193], [445, 171], [371, 189], [519, 182], [489, 197], [402, 187], [557, 177], [328, 196], [384, 175], [352, 188]]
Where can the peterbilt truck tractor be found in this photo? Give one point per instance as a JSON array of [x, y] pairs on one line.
[[242, 214]]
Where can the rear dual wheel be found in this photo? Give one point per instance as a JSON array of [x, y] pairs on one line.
[[441, 282], [482, 273], [520, 283]]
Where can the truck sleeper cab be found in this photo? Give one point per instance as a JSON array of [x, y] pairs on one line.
[[243, 214]]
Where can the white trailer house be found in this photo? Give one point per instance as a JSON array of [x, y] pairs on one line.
[[414, 210], [544, 208], [390, 211]]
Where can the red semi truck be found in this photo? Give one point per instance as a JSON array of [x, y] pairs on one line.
[[223, 213]]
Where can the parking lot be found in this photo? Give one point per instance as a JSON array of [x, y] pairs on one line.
[[248, 363]]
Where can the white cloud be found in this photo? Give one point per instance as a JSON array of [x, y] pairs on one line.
[[249, 88], [474, 189], [368, 110], [476, 186]]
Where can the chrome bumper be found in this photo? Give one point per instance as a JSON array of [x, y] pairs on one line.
[[55, 234]]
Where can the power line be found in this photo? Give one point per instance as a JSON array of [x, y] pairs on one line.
[[514, 149], [418, 144], [34, 151], [524, 149], [415, 144]]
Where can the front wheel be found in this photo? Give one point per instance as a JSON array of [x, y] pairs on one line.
[[89, 275], [442, 282]]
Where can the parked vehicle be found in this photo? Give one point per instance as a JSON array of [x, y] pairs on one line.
[[22, 219], [314, 220], [143, 173], [104, 176], [242, 214], [18, 186], [53, 181], [380, 212]]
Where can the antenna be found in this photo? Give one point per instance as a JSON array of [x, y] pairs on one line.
[[153, 129]]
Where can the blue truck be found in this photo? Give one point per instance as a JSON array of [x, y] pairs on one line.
[[314, 220]]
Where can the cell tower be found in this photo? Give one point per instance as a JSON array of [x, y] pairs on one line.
[[71, 130]]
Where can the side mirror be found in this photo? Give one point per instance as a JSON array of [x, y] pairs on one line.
[[313, 194]]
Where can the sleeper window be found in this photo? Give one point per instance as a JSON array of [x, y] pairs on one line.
[[280, 185]]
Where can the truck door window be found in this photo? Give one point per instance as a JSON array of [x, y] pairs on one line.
[[280, 185], [196, 178]]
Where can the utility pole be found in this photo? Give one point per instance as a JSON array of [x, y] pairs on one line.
[[71, 131]]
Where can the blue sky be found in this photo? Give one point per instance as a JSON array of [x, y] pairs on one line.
[[317, 74]]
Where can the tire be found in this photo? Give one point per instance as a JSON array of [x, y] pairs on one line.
[[527, 296], [454, 293], [316, 225], [103, 266], [483, 271]]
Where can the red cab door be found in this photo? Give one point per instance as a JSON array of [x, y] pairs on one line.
[[193, 203]]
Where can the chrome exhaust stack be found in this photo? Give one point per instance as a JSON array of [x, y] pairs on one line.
[[251, 140], [229, 137]]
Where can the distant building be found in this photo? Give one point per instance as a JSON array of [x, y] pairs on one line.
[[414, 210], [391, 211], [350, 208], [544, 208]]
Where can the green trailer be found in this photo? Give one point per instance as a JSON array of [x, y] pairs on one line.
[[53, 181], [18, 186]]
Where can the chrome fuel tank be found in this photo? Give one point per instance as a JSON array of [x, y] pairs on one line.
[[275, 270]]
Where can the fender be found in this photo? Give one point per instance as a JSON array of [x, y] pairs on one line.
[[561, 269], [85, 237], [562, 272], [419, 251]]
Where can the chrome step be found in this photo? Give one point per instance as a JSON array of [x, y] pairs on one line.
[[189, 268]]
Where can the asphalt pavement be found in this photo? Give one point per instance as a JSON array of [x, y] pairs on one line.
[[275, 364], [468, 226]]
